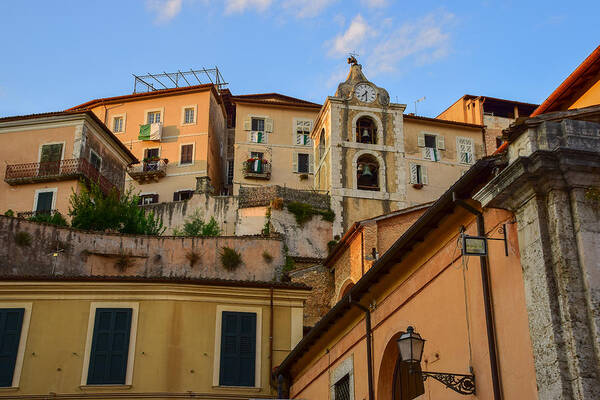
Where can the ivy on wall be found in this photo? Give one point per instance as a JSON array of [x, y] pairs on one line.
[[304, 212]]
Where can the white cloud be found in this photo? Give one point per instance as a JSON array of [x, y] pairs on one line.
[[307, 8], [165, 10], [416, 42], [238, 6], [352, 39]]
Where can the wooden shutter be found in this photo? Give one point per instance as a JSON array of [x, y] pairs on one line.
[[268, 125], [187, 154], [176, 196], [247, 124], [110, 346], [51, 152], [441, 142], [155, 198], [311, 163], [295, 162], [253, 136], [424, 179], [11, 321], [414, 174], [238, 349], [44, 201], [421, 140]]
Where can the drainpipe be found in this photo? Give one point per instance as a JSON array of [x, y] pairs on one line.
[[368, 338], [271, 336], [487, 299]]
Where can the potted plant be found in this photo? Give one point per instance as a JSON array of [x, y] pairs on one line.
[[417, 185]]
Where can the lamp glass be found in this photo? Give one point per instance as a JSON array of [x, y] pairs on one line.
[[410, 346]]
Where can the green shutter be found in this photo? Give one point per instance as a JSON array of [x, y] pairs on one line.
[[238, 349], [44, 201], [11, 321], [51, 152], [144, 132], [110, 346]]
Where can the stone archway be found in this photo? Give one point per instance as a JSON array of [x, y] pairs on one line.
[[394, 381], [345, 288], [381, 169], [375, 119]]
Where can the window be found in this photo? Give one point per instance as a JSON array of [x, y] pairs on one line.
[[367, 173], [238, 349], [44, 200], [11, 323], [418, 174], [110, 346], [50, 156], [342, 388], [151, 159], [432, 144], [146, 199], [183, 195], [303, 128], [117, 124], [188, 115], [465, 150], [258, 130], [187, 154], [230, 172], [366, 132], [256, 162], [322, 144], [303, 163], [153, 117], [95, 160]]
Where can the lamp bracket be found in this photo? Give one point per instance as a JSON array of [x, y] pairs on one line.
[[460, 383]]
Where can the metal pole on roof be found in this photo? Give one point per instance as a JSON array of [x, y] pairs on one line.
[[157, 80], [168, 76], [199, 81], [183, 76]]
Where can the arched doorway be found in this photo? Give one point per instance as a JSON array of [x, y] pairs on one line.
[[345, 289], [395, 380]]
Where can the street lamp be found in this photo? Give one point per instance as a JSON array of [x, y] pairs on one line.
[[410, 346]]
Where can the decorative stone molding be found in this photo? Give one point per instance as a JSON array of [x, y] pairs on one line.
[[346, 367]]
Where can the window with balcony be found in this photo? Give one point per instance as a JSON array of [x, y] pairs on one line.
[[50, 156]]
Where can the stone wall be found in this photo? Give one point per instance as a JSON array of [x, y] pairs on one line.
[[320, 279], [92, 253], [262, 196]]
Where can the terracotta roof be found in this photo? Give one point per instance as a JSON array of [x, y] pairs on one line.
[[145, 279], [575, 84], [145, 95], [442, 121], [273, 99], [478, 174], [93, 116]]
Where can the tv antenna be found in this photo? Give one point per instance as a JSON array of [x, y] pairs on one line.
[[418, 101]]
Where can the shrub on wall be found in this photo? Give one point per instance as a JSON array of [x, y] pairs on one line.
[[192, 257], [195, 226], [304, 212], [54, 219], [9, 213], [92, 210], [23, 239], [230, 258]]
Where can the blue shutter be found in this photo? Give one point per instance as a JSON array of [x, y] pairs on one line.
[[238, 349], [110, 346], [11, 320]]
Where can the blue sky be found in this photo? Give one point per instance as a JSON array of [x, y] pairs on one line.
[[56, 54]]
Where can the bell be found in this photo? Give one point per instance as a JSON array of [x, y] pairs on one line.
[[367, 171], [365, 133]]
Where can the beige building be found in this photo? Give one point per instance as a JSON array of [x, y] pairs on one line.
[[272, 141], [372, 158], [46, 156], [495, 114], [179, 134]]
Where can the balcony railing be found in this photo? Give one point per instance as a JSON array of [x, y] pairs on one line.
[[257, 170], [148, 170], [78, 168], [29, 214]]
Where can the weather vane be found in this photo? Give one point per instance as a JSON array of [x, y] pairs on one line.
[[352, 59]]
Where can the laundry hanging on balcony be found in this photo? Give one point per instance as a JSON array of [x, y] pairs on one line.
[[150, 131]]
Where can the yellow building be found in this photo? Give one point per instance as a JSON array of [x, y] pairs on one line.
[[45, 156], [179, 133], [372, 158], [272, 141], [92, 337]]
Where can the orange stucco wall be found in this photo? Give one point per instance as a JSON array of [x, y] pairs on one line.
[[205, 134], [439, 293], [590, 98]]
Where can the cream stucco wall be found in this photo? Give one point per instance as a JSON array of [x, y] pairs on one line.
[[175, 336], [279, 148]]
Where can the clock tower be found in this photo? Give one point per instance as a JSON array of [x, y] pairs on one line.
[[359, 151]]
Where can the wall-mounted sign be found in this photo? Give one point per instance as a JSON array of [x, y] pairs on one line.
[[474, 245]]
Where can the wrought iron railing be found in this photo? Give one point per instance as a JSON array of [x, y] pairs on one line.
[[29, 214], [257, 170], [148, 169], [21, 174]]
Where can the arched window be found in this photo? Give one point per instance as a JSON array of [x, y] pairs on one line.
[[322, 144], [366, 131], [367, 173]]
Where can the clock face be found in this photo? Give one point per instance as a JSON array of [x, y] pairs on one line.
[[364, 92]]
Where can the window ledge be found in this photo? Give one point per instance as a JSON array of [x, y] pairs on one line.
[[188, 124], [185, 165], [105, 387], [9, 389], [250, 388]]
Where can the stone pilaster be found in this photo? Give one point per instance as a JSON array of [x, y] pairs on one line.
[[552, 163]]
